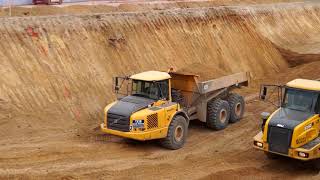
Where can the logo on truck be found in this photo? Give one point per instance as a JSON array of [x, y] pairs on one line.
[[280, 125]]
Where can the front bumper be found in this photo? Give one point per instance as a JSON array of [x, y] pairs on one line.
[[311, 153], [141, 136]]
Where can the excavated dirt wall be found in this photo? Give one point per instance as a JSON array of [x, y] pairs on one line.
[[56, 72], [295, 33]]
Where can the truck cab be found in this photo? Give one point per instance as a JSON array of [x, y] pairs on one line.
[[146, 112], [293, 129]]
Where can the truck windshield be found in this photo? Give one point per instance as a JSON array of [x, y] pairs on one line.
[[149, 89], [145, 89], [300, 100]]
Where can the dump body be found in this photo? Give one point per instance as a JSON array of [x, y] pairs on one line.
[[197, 93]]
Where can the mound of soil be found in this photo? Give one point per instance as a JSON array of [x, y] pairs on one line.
[[204, 71]]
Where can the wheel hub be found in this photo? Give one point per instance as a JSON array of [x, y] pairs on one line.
[[223, 115], [178, 133], [238, 109]]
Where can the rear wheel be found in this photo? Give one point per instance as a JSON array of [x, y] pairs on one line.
[[177, 133], [237, 106], [218, 114]]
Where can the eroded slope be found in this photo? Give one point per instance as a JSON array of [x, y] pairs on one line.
[[58, 71]]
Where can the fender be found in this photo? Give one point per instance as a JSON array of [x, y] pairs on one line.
[[181, 113], [106, 109], [266, 125]]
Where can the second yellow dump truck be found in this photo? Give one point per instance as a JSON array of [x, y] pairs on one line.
[[159, 105], [293, 129]]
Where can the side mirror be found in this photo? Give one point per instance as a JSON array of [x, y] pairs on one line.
[[263, 93], [116, 87]]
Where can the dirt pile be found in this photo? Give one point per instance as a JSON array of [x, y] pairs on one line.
[[204, 71], [56, 77]]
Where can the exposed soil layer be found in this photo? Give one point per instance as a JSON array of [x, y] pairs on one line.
[[295, 59], [123, 6], [56, 77]]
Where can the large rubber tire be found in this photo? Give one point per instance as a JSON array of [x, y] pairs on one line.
[[237, 107], [218, 114], [177, 133]]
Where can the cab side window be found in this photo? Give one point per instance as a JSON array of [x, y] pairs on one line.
[[164, 87]]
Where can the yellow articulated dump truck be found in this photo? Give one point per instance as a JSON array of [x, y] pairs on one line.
[[159, 105], [293, 129]]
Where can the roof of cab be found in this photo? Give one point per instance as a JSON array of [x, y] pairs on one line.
[[305, 84], [151, 76]]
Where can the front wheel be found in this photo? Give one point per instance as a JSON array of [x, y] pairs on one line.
[[177, 133]]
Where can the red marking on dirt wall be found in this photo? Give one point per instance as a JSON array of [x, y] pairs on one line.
[[66, 92], [77, 114], [31, 32]]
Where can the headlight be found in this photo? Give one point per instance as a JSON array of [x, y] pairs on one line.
[[259, 144], [303, 154]]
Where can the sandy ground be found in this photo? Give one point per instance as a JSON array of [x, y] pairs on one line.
[[56, 78], [207, 154]]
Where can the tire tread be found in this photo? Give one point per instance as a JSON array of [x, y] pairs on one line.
[[168, 141], [233, 99], [213, 110]]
